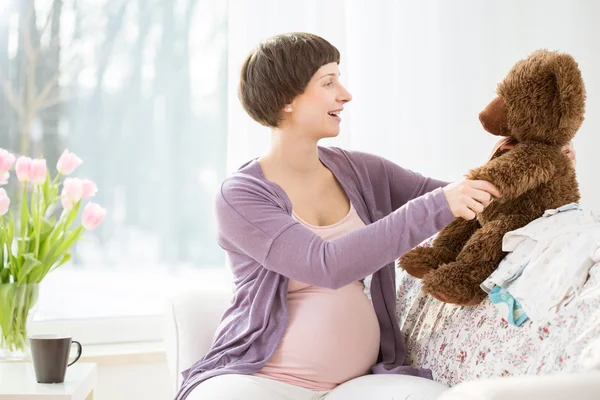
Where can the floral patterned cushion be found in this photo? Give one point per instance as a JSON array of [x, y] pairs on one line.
[[465, 343]]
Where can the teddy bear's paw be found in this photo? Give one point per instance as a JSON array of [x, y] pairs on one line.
[[449, 285], [418, 262], [421, 260]]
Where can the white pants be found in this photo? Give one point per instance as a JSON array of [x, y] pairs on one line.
[[375, 387]]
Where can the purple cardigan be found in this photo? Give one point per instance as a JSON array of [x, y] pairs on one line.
[[266, 246]]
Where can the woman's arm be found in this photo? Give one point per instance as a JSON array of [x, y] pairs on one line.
[[401, 179], [402, 184], [251, 222]]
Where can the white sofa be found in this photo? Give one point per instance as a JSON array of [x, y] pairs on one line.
[[192, 318]]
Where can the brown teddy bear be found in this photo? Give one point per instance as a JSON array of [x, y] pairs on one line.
[[540, 106]]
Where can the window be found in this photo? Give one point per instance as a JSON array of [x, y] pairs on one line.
[[141, 97]]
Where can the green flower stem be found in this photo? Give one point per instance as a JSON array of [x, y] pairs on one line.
[[3, 239], [36, 224], [18, 313], [55, 180], [8, 248], [50, 190], [24, 219]]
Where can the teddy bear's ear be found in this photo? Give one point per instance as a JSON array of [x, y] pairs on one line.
[[571, 92], [544, 97]]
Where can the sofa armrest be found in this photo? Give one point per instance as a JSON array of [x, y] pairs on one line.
[[191, 319], [580, 386]]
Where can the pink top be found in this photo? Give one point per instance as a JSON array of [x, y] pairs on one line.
[[332, 335]]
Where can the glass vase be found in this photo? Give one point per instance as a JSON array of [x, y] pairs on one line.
[[17, 302]]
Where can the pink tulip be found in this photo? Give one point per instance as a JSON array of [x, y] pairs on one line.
[[22, 168], [92, 216], [4, 178], [68, 162], [89, 189], [72, 192], [38, 171], [66, 201], [4, 202], [6, 161]]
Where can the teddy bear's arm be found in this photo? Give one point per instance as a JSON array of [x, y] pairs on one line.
[[523, 168]]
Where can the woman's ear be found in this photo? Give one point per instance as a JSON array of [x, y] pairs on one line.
[[290, 107]]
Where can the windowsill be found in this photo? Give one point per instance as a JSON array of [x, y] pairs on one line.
[[124, 353], [121, 354]]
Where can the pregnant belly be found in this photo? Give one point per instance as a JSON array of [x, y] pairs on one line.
[[332, 336]]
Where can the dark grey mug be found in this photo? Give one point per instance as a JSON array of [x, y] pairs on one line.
[[50, 354]]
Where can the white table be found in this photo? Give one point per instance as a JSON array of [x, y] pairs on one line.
[[17, 382]]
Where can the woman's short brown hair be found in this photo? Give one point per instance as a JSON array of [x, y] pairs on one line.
[[278, 70]]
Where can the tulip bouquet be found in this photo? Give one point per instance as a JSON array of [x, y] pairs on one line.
[[33, 242]]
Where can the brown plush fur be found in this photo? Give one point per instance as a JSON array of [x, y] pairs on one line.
[[541, 104]]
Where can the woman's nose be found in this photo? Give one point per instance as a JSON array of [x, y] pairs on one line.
[[344, 96]]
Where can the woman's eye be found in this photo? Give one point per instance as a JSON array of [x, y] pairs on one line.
[[329, 83]]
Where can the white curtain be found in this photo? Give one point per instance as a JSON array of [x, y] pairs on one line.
[[421, 71]]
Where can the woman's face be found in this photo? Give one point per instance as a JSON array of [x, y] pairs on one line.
[[317, 111]]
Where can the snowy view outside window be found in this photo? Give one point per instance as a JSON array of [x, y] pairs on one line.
[[141, 98]]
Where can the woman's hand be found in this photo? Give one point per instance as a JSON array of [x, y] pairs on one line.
[[470, 197]]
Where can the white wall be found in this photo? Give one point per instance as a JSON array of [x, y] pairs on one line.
[[432, 66], [421, 71]]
